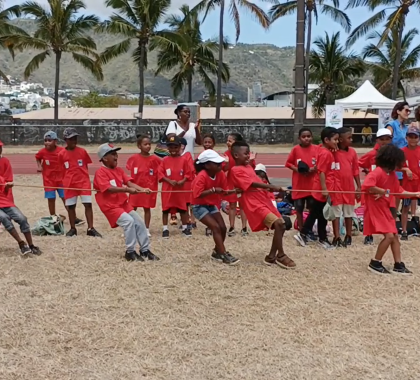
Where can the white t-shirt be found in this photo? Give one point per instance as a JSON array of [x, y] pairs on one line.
[[189, 136]]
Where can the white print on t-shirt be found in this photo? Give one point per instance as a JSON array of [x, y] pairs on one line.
[[113, 183], [313, 161], [168, 172], [80, 162], [298, 160], [373, 167], [66, 165], [406, 161], [47, 162], [181, 173], [136, 170], [333, 166], [150, 171], [337, 166]]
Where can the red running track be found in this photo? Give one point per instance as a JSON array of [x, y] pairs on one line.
[[25, 163]]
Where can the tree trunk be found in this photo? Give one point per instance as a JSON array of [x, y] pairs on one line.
[[299, 95], [142, 46], [220, 63], [397, 63], [56, 85], [189, 83], [308, 52]]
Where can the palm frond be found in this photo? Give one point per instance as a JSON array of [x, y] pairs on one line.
[[258, 13], [365, 27], [35, 62], [114, 51], [282, 9], [338, 16], [89, 64]]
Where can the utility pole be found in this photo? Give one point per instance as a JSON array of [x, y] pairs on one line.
[[299, 93]]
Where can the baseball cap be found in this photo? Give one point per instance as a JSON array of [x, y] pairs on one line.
[[383, 132], [51, 135], [261, 167], [173, 140], [104, 149], [69, 133], [182, 141], [413, 131], [210, 155]]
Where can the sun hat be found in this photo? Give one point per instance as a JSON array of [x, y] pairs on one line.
[[261, 167], [104, 149], [210, 155], [383, 132]]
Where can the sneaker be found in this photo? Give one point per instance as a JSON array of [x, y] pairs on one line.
[[338, 243], [311, 237], [225, 258], [187, 232], [132, 256], [72, 232], [165, 234], [347, 241], [326, 244], [404, 236], [25, 250], [148, 234], [79, 222], [173, 221], [92, 232], [377, 267], [368, 240], [399, 268], [301, 239], [194, 226], [231, 232], [149, 256], [208, 232], [35, 250], [244, 232]]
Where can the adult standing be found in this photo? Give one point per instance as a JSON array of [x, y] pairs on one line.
[[182, 127]]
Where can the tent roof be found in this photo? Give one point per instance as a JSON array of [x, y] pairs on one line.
[[366, 96]]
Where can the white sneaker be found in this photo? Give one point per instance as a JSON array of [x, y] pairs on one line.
[[148, 234]]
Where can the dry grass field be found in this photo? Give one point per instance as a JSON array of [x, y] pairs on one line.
[[81, 312]]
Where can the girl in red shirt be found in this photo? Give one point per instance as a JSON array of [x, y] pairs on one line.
[[207, 187], [144, 169], [208, 142], [324, 181], [378, 217], [174, 171], [302, 161]]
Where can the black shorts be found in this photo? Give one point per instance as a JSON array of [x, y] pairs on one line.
[[302, 202]]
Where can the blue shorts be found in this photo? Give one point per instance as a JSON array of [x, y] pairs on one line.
[[51, 194], [407, 201], [200, 211], [399, 175]]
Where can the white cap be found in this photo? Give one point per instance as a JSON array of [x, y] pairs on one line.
[[383, 132], [261, 167], [210, 155]]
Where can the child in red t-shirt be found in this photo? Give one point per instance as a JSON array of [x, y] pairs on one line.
[[411, 176], [258, 208], [324, 181], [208, 141], [174, 171], [112, 185], [378, 218], [347, 173], [144, 169], [207, 186], [368, 163], [8, 213], [302, 161], [74, 162]]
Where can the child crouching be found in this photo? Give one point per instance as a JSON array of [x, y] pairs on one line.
[[112, 185], [207, 187]]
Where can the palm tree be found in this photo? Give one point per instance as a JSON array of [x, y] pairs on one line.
[[6, 28], [395, 20], [191, 55], [289, 7], [261, 17], [335, 71], [381, 60], [137, 22], [59, 30]]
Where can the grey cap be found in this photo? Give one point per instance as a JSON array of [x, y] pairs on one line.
[[104, 149], [69, 133], [51, 135]]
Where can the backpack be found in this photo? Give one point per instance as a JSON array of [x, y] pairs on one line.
[[48, 225]]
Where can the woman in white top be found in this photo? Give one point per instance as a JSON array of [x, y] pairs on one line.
[[183, 128]]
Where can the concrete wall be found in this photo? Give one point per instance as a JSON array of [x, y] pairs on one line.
[[31, 132]]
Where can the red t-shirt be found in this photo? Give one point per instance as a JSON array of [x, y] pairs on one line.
[[5, 200], [113, 205], [325, 164], [51, 170], [204, 182], [412, 161], [346, 168], [7, 173], [302, 181], [368, 160], [378, 218], [188, 184], [74, 168], [255, 202]]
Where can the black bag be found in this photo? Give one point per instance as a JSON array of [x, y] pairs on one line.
[[161, 149], [413, 226]]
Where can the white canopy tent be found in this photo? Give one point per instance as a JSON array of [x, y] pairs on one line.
[[366, 97]]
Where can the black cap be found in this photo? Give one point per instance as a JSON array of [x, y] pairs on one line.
[[173, 140]]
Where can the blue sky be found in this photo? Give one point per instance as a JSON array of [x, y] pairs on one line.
[[281, 33]]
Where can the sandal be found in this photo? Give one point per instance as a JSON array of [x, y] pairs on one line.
[[285, 262]]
